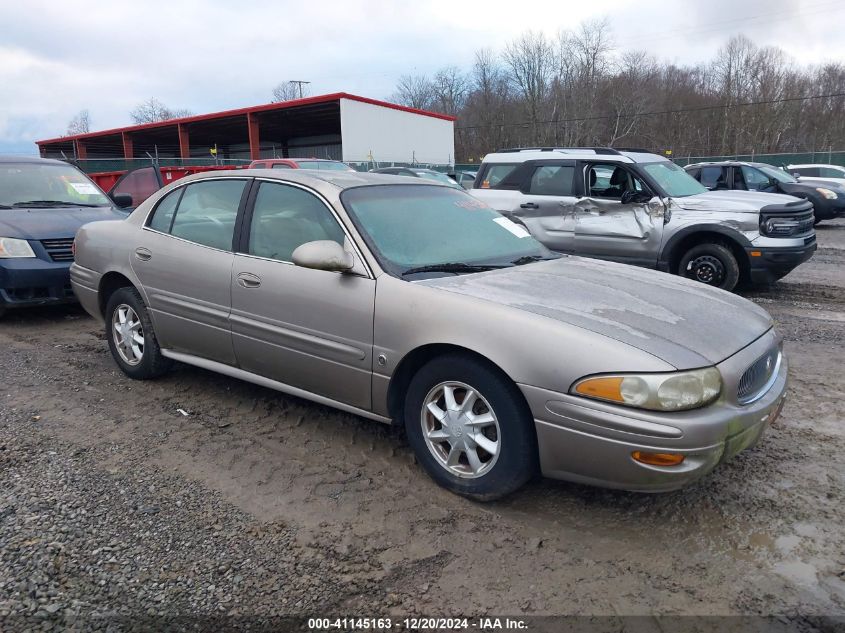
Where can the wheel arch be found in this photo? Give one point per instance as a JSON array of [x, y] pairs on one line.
[[415, 359], [691, 236], [109, 284]]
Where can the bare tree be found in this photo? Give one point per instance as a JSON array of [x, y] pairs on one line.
[[415, 91], [79, 124], [576, 89], [529, 61], [152, 111], [289, 90], [449, 88]]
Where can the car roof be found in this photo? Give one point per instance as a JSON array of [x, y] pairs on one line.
[[728, 163], [606, 154], [31, 159], [339, 179]]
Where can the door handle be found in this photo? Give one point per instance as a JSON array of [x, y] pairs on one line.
[[144, 254], [248, 280], [529, 205]]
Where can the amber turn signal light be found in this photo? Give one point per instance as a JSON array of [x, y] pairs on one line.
[[658, 459]]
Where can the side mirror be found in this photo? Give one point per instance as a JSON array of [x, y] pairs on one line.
[[635, 197], [122, 200], [323, 255]]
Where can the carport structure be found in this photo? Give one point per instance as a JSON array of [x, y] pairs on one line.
[[339, 126]]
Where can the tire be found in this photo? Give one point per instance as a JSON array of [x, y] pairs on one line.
[[126, 305], [512, 457], [711, 264]]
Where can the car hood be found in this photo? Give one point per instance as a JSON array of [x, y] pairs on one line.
[[684, 323], [58, 222], [733, 201], [827, 184]]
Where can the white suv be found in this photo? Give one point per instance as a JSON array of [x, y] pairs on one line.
[[636, 207]]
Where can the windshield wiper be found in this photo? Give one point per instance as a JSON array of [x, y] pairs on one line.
[[53, 203], [454, 267]]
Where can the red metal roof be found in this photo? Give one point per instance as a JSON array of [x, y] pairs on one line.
[[336, 96]]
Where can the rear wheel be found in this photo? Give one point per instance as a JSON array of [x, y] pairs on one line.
[[711, 264], [132, 341], [470, 428]]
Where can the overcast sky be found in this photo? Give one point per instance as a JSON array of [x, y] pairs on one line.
[[58, 57]]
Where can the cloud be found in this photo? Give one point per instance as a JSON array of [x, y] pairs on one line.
[[205, 55]]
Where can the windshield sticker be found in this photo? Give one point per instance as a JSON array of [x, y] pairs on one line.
[[85, 188], [513, 227]]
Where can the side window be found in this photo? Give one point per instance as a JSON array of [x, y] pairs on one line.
[[281, 166], [754, 178], [140, 184], [552, 180], [829, 172], [259, 166], [285, 217], [695, 173], [611, 181], [207, 211], [713, 177], [494, 173], [163, 214]]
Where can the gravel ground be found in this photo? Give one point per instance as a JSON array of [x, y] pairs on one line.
[[116, 507]]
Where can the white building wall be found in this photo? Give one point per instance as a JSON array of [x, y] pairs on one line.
[[392, 135]]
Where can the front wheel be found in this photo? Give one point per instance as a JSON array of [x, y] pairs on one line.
[[132, 342], [711, 264], [470, 428]]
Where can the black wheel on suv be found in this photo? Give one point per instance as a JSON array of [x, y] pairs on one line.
[[711, 264], [132, 341], [470, 427]]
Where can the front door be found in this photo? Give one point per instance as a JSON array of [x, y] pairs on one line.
[[608, 228], [183, 259], [311, 329]]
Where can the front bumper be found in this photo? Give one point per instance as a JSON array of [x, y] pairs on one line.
[[32, 281], [772, 263], [591, 442]]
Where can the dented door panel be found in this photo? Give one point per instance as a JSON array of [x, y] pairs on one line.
[[629, 233]]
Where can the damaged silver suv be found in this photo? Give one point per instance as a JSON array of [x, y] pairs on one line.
[[635, 207]]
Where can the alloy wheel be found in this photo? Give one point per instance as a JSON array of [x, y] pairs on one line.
[[128, 335], [460, 429]]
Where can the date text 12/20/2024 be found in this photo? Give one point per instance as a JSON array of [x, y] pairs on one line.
[[417, 624]]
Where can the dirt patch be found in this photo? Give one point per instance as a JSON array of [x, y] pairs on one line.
[[333, 509]]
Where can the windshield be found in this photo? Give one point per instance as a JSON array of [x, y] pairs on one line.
[[778, 174], [674, 181], [47, 185], [323, 164], [436, 176], [415, 226]]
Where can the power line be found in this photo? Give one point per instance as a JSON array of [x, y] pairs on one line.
[[653, 113]]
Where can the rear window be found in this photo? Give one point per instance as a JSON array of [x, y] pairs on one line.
[[495, 173]]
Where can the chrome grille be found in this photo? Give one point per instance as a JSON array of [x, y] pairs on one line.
[[59, 250], [757, 379]]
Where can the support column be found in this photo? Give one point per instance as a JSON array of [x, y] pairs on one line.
[[128, 149], [81, 150], [184, 145], [254, 142]]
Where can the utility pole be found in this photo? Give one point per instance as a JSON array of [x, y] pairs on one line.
[[299, 83]]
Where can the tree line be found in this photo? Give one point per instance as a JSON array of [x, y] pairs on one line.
[[577, 89]]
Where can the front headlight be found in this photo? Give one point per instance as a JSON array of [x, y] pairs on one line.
[[827, 193], [677, 391], [13, 247]]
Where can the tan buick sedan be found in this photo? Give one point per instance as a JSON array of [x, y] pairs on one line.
[[414, 303]]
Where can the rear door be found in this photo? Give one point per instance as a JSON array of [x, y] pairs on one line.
[[311, 329], [183, 258], [606, 227], [538, 194]]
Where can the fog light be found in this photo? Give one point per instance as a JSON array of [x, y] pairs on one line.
[[658, 459]]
